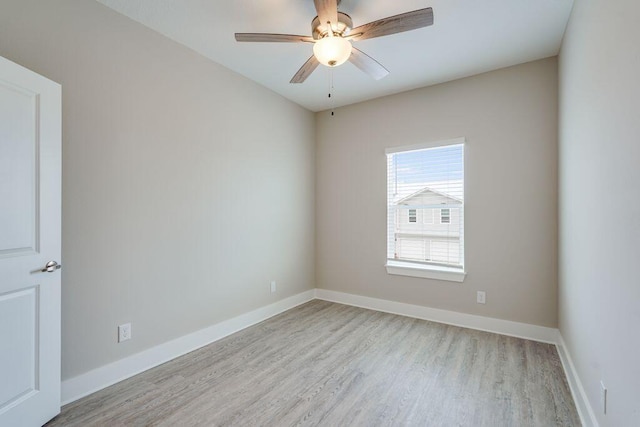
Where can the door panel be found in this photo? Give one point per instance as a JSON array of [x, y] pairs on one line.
[[18, 314], [30, 166], [18, 185]]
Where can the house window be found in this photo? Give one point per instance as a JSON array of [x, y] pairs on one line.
[[426, 179], [445, 216]]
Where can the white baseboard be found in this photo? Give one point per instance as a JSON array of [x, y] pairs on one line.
[[585, 411], [97, 379], [489, 324]]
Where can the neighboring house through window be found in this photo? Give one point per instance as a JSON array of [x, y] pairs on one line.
[[426, 181]]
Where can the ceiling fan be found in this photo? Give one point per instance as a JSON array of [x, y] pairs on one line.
[[332, 34]]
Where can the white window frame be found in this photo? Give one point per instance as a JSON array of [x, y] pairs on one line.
[[429, 271]]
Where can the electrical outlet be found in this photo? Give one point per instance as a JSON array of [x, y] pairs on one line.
[[124, 332], [273, 286], [481, 297], [603, 397]]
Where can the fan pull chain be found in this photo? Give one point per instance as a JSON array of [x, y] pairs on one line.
[[331, 89]]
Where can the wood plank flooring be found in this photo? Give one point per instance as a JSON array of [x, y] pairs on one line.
[[328, 364]]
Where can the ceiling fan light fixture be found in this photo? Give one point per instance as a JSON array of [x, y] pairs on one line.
[[332, 32], [332, 50]]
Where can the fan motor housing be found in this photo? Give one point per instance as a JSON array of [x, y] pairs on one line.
[[342, 28]]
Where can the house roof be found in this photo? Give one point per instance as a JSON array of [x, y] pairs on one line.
[[428, 190], [445, 189]]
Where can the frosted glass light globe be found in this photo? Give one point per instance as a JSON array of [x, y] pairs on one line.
[[332, 51]]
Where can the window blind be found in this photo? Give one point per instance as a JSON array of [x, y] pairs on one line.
[[425, 204]]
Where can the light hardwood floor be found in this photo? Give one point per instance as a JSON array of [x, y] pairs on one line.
[[333, 365]]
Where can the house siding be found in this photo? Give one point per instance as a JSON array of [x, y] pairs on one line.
[[428, 239]]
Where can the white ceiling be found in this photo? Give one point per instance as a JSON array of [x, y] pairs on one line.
[[468, 37]]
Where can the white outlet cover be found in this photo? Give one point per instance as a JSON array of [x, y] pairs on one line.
[[273, 286], [124, 332], [481, 297]]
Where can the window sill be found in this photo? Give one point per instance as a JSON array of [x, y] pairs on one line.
[[403, 268]]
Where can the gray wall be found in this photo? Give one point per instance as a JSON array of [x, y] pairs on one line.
[[509, 118], [599, 298], [186, 187]]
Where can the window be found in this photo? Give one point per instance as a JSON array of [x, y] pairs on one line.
[[445, 216], [426, 180]]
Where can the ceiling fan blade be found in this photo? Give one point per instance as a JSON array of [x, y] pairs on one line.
[[306, 70], [327, 11], [367, 64], [276, 38], [394, 24]]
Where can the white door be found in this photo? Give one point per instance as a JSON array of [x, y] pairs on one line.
[[30, 166]]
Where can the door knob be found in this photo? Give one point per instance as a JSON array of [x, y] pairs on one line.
[[50, 267]]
